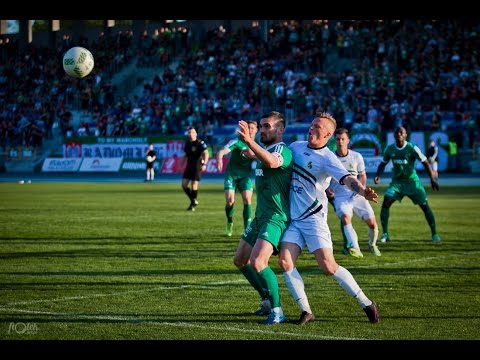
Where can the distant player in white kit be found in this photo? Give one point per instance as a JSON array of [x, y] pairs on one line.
[[151, 156], [346, 202]]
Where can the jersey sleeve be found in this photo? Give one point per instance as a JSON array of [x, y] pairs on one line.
[[232, 145], [335, 168], [360, 163], [284, 155], [418, 153]]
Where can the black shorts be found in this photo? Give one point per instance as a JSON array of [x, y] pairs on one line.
[[149, 165], [192, 173]]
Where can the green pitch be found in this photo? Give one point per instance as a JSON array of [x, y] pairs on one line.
[[127, 261]]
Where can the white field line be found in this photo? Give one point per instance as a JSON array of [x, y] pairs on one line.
[[91, 296], [430, 258], [156, 288], [181, 324]]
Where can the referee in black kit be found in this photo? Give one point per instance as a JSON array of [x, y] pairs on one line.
[[196, 155]]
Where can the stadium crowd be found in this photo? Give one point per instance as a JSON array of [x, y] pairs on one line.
[[372, 75]]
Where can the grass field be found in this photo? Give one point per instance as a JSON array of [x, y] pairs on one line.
[[127, 261]]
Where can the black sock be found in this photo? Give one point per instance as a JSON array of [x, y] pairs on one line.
[[188, 192], [194, 196]]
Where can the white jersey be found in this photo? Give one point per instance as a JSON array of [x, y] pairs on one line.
[[354, 164], [312, 172]]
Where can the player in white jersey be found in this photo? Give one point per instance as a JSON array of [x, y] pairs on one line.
[[314, 164], [347, 202]]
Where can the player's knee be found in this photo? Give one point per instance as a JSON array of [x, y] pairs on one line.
[[239, 261], [328, 267], [425, 207], [387, 203], [285, 264]]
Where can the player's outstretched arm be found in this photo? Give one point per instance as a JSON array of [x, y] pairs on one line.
[[358, 188], [434, 182], [204, 159], [249, 154], [380, 170], [220, 154]]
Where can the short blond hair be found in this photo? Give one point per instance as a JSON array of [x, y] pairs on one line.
[[328, 116]]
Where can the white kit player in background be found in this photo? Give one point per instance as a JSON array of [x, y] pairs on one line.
[[151, 156], [346, 202]]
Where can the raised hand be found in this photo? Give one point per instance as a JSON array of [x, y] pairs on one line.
[[371, 195]]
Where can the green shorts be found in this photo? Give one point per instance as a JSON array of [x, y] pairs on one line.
[[271, 231], [240, 183], [413, 189]]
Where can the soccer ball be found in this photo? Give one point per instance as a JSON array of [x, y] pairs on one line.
[[149, 158], [78, 62]]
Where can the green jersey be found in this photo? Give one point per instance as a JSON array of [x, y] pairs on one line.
[[273, 186], [403, 160], [238, 166]]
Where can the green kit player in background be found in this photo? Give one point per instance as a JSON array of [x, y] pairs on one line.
[[405, 181], [238, 175]]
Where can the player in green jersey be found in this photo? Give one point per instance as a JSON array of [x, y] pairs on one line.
[[261, 239], [405, 181], [238, 176]]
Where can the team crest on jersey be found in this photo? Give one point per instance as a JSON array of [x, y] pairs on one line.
[[194, 148], [258, 172], [309, 165]]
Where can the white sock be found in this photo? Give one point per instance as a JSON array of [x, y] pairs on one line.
[[363, 300], [348, 283], [372, 236], [351, 236], [152, 175], [278, 310], [296, 287]]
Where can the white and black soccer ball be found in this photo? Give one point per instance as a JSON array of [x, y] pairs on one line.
[[78, 62], [149, 158]]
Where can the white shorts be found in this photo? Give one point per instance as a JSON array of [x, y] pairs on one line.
[[315, 235], [434, 165], [346, 205]]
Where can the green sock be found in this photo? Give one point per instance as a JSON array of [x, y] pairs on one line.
[[384, 215], [269, 280], [247, 214], [229, 211], [254, 280], [431, 220]]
